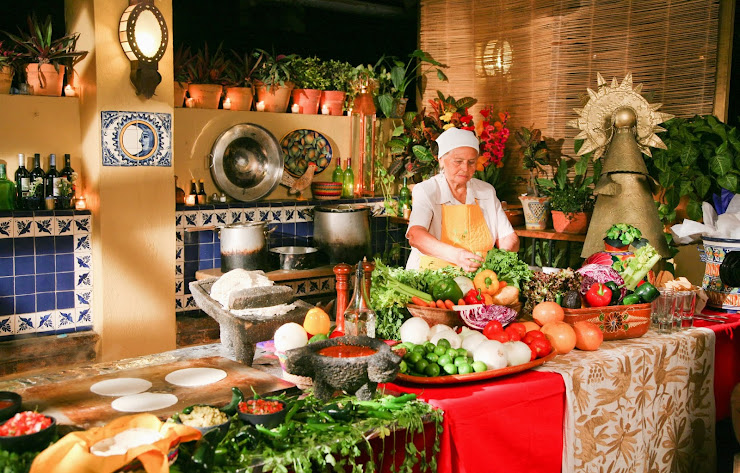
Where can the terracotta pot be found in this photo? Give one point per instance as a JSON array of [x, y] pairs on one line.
[[615, 246], [274, 100], [573, 223], [240, 97], [205, 95], [6, 78], [307, 100], [333, 100], [49, 82], [180, 89], [536, 211]]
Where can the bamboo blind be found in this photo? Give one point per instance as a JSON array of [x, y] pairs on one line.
[[556, 48]]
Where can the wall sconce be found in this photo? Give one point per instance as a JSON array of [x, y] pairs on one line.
[[498, 57], [143, 35]]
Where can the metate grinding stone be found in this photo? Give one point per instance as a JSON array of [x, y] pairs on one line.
[[258, 297]]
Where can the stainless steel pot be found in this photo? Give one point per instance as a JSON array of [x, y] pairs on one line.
[[295, 257], [244, 245], [342, 232]]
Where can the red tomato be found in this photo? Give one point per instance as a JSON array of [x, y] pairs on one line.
[[520, 327], [492, 327], [336, 333], [542, 346], [499, 336], [534, 353], [532, 335], [513, 334]]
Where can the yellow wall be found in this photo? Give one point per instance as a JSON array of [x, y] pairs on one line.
[[133, 211]]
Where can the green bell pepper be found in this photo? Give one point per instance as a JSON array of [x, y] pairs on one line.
[[447, 289], [616, 292], [631, 299], [647, 292]]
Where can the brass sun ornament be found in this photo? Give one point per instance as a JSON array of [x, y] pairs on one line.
[[596, 118]]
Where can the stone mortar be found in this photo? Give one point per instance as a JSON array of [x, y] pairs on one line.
[[359, 375]]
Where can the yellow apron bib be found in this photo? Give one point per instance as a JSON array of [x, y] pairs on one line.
[[463, 226]]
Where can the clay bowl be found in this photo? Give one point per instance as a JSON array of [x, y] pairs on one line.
[[434, 316], [358, 375], [267, 420], [36, 441], [10, 410], [617, 322]]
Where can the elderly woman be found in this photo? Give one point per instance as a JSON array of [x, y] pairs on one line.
[[456, 219]]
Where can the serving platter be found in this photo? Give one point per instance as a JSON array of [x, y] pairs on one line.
[[465, 378], [303, 147]]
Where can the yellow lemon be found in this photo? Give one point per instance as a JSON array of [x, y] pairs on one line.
[[316, 321]]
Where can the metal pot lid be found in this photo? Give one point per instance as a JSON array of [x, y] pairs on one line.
[[245, 225], [246, 162], [294, 250], [341, 208]]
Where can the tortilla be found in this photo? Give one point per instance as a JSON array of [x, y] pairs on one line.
[[144, 402], [191, 377], [120, 386]]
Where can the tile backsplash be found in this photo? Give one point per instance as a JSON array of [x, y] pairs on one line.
[[45, 273]]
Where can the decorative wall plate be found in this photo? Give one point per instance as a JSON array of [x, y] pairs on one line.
[[136, 139], [302, 147]]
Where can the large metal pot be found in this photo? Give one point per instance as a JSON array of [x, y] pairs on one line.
[[244, 245], [342, 232]]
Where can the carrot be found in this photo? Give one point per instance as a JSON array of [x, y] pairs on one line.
[[461, 302], [449, 304], [501, 285], [441, 304], [420, 302]]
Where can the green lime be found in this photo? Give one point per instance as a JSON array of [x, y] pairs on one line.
[[431, 357], [440, 350], [449, 368], [443, 342], [479, 366], [318, 337], [464, 369], [461, 360], [432, 370], [403, 367], [444, 360], [429, 347], [419, 349], [413, 357], [421, 365], [462, 352], [407, 345], [470, 360], [452, 353]]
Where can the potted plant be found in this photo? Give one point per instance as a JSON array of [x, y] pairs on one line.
[[535, 155], [9, 58], [393, 102], [620, 236], [310, 81], [66, 193], [47, 59], [239, 74], [35, 199], [207, 76], [273, 81], [182, 58], [340, 75]]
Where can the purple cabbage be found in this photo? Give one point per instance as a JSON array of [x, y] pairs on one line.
[[593, 273], [477, 316]]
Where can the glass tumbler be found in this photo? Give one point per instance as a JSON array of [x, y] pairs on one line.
[[663, 308], [685, 305]]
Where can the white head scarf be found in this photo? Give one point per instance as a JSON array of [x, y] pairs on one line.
[[456, 138]]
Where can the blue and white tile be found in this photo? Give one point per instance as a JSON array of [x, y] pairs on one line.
[[262, 214], [6, 228], [179, 286], [205, 218], [83, 224], [179, 271], [313, 286], [289, 214], [83, 298], [179, 303], [275, 215], [179, 234], [26, 323], [301, 288], [7, 326], [179, 220], [251, 215], [180, 254], [83, 262], [23, 227], [190, 219], [303, 213], [136, 138], [235, 216], [189, 303], [83, 279], [84, 319], [82, 243], [66, 320], [63, 226], [44, 226], [46, 321], [220, 217]]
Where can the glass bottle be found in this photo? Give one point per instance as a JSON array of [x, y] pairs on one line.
[[179, 194], [7, 190], [194, 191], [338, 174], [35, 199], [359, 318], [202, 196], [22, 182], [348, 182], [404, 196], [51, 181]]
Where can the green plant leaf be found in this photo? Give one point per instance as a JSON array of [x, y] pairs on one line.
[[702, 185], [685, 187], [581, 166], [465, 102], [672, 197], [441, 75], [720, 164], [562, 174], [689, 154], [385, 101], [545, 183], [662, 161], [398, 75], [694, 210], [397, 131], [667, 179], [728, 181], [423, 154]]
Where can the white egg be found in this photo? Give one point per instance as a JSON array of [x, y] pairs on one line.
[[492, 353], [439, 328], [289, 336], [473, 340], [415, 330], [517, 353], [450, 336]]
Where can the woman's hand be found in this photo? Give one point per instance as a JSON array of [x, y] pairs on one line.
[[467, 260]]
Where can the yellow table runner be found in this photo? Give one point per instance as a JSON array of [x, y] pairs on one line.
[[640, 405]]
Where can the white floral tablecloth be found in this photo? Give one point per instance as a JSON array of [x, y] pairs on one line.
[[640, 405]]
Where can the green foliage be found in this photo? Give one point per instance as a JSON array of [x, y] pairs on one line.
[[702, 157], [240, 69], [207, 68], [403, 74], [11, 462], [623, 232], [8, 55], [535, 156], [571, 195], [310, 73], [274, 70], [339, 75]]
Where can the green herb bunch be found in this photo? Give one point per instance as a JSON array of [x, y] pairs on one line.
[[309, 73], [623, 232], [339, 75]]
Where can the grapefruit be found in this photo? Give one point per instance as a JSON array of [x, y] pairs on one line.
[[561, 336], [546, 312], [588, 336]]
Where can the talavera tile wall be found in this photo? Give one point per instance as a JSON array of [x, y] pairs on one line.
[[45, 273]]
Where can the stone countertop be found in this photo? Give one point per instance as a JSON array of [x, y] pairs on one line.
[[278, 275]]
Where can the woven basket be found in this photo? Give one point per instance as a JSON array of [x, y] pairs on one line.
[[434, 316], [617, 322]]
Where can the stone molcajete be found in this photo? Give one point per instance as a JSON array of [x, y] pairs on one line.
[[358, 375]]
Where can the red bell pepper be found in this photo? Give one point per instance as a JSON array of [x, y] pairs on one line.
[[598, 295], [473, 297]]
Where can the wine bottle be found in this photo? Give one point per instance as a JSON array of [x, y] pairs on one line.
[[348, 183], [7, 190], [404, 199], [338, 174], [202, 196], [22, 183], [51, 181], [37, 184], [193, 192]]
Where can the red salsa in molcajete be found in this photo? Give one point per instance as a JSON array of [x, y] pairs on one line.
[[346, 351], [5, 404]]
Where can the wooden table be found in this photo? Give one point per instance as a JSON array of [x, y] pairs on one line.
[[278, 275]]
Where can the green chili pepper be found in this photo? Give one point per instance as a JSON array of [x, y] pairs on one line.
[[616, 292], [647, 292], [631, 299], [237, 396]]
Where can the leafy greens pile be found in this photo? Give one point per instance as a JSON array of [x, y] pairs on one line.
[[507, 266]]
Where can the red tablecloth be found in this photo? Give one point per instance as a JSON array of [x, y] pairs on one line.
[[726, 359], [513, 423]]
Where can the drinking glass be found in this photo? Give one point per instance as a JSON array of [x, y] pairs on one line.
[[663, 308], [685, 305]]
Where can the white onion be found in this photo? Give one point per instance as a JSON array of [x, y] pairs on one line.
[[439, 328], [465, 332], [289, 336], [473, 340], [450, 336], [415, 330], [517, 353], [492, 353]]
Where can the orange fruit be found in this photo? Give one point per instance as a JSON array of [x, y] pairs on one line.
[[529, 325], [561, 336], [316, 321], [588, 335], [545, 312]]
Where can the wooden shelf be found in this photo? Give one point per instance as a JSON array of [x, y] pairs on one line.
[[548, 235]]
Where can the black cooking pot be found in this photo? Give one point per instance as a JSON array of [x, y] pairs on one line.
[[295, 257]]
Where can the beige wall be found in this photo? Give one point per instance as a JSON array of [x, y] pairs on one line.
[[133, 213]]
